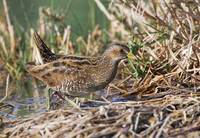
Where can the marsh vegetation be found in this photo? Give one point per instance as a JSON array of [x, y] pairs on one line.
[[155, 94]]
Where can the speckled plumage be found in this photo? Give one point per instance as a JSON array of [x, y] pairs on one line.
[[75, 75]]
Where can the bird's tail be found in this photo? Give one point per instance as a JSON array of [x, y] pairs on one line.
[[45, 52]]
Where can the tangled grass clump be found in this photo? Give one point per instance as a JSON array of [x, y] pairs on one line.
[[159, 90]]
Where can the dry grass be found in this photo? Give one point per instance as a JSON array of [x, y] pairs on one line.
[[158, 92], [163, 116]]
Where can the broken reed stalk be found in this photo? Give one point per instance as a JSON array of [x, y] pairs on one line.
[[66, 39], [7, 84], [10, 28], [104, 10]]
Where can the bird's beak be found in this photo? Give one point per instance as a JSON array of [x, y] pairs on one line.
[[129, 55]]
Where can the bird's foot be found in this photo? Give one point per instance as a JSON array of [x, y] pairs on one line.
[[53, 103]]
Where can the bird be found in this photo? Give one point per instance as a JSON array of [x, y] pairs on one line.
[[77, 75]]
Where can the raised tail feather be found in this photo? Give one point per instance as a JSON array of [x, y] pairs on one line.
[[45, 52]]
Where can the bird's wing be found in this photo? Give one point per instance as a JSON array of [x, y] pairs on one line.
[[81, 60], [56, 72]]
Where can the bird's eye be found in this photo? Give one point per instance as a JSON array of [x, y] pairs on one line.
[[121, 51]]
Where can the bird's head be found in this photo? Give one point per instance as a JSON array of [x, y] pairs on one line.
[[117, 52]]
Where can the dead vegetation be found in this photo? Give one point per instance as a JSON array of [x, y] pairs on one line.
[[159, 91], [164, 116]]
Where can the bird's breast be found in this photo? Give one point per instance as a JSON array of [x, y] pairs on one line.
[[104, 75]]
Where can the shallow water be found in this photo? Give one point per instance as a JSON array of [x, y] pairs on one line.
[[18, 107], [33, 102]]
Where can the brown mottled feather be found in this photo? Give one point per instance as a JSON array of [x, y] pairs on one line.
[[62, 72]]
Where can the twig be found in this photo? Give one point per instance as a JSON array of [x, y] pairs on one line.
[[7, 84], [137, 121], [183, 131], [162, 127]]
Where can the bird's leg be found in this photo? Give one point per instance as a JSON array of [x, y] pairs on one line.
[[49, 99], [50, 95], [59, 94], [63, 97]]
